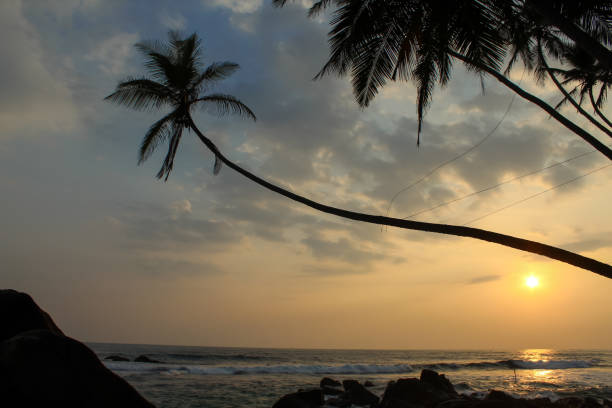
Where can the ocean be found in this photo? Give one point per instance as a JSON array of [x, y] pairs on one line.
[[216, 377]]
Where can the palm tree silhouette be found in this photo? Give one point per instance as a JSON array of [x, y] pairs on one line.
[[588, 75], [177, 82], [379, 40]]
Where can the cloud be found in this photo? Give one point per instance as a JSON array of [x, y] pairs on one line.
[[34, 94], [483, 279], [237, 6], [154, 228], [173, 21], [341, 248], [113, 52], [592, 243], [180, 207]]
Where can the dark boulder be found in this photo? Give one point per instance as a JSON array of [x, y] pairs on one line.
[[301, 399], [19, 313], [439, 382], [368, 383], [331, 391], [329, 382], [42, 368], [357, 394], [115, 357], [407, 392], [576, 402], [338, 402], [145, 359]]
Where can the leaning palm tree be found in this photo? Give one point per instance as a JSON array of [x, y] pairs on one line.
[[177, 82]]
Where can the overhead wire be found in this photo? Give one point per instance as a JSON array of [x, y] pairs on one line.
[[457, 157], [454, 200], [538, 194]]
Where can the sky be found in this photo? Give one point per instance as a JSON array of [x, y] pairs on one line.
[[115, 255]]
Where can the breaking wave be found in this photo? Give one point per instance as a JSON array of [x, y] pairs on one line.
[[177, 369]]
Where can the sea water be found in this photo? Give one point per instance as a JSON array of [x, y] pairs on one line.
[[216, 377]]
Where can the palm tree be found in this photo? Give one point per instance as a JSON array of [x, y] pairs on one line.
[[379, 40], [178, 82], [588, 75]]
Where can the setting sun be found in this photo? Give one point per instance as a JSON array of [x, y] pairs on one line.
[[532, 281]]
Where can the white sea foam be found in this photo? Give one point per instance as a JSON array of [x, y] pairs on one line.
[[273, 369], [177, 369]]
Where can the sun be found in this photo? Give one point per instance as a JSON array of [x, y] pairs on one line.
[[532, 281]]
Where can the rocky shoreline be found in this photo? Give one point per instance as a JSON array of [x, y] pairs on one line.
[[431, 390], [41, 366]]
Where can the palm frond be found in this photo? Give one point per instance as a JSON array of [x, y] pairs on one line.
[[318, 7], [168, 165], [157, 134], [217, 71], [141, 94], [425, 75], [159, 61], [225, 104], [353, 25]]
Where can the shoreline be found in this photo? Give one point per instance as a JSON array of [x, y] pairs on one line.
[[430, 390]]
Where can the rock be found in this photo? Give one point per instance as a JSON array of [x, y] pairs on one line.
[[41, 368], [591, 402], [301, 399], [368, 383], [329, 382], [438, 381], [570, 402], [19, 313], [338, 402], [499, 396], [357, 394], [407, 392], [145, 359], [115, 357], [331, 391]]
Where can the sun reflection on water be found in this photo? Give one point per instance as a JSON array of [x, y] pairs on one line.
[[536, 354]]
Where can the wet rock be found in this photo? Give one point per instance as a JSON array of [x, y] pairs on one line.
[[115, 357], [499, 396], [145, 359], [357, 394], [301, 399], [329, 382]]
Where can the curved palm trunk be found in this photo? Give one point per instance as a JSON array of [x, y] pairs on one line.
[[601, 115], [590, 139], [572, 100], [502, 239]]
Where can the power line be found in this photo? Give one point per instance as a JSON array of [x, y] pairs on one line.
[[435, 169], [538, 194], [497, 185]]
